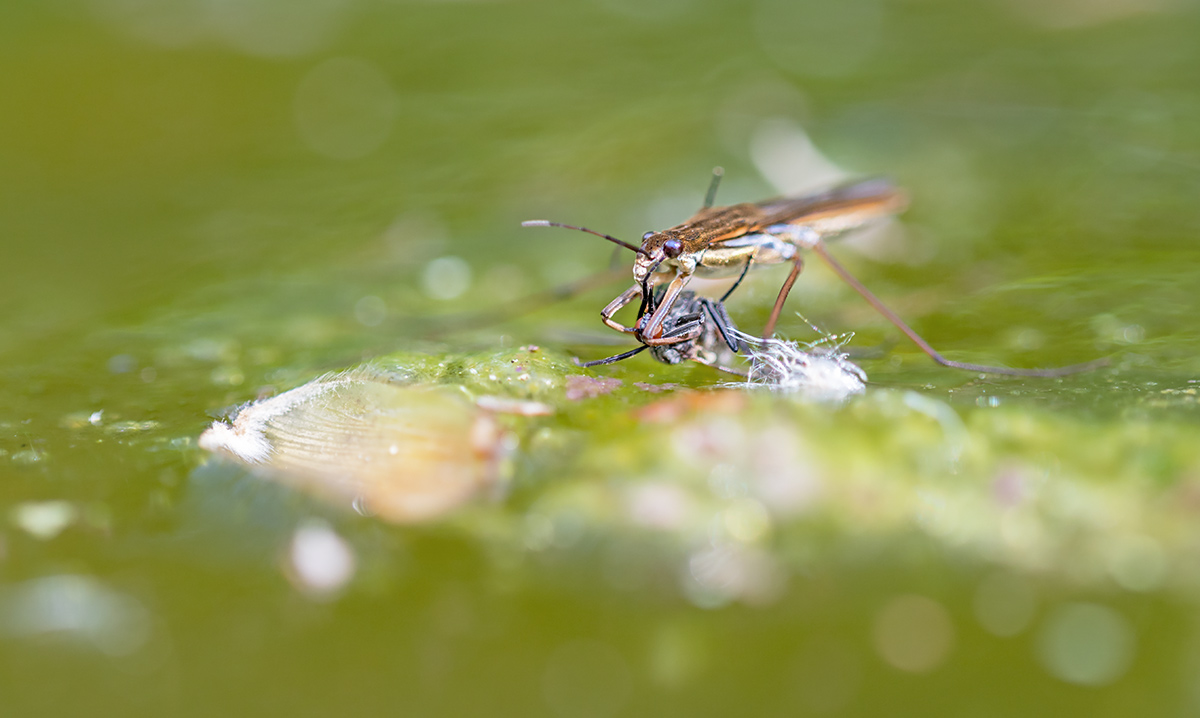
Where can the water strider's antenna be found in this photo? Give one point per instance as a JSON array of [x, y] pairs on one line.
[[545, 223]]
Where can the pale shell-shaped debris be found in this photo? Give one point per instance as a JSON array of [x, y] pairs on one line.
[[404, 453]]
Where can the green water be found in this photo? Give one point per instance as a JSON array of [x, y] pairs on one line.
[[205, 202]]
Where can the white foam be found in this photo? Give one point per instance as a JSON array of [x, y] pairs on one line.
[[819, 371]]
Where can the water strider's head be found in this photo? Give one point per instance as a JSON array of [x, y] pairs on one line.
[[659, 248]]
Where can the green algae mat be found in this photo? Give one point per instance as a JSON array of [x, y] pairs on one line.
[[279, 434]]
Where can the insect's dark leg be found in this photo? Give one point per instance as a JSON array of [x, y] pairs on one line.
[[730, 370], [647, 304], [651, 331], [711, 195], [797, 267], [687, 328], [724, 325], [738, 283], [616, 358], [722, 367], [892, 317]]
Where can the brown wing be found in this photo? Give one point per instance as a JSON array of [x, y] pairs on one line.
[[837, 209]]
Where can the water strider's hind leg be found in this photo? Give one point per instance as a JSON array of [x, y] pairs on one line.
[[877, 303]]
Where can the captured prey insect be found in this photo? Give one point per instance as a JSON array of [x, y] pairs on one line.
[[726, 241], [716, 339]]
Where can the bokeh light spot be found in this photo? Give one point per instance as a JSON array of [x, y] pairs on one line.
[[914, 634], [1086, 643], [321, 561], [446, 278], [370, 311]]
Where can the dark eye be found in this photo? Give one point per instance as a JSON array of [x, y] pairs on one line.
[[672, 248], [647, 235]]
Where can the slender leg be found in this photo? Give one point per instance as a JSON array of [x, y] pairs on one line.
[[615, 305], [797, 267], [738, 283], [711, 195], [892, 317], [615, 358], [647, 296], [652, 332], [730, 370], [720, 319], [688, 327], [721, 367]]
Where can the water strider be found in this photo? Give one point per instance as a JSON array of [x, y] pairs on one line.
[[727, 241]]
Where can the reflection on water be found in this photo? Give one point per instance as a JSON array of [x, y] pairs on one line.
[[79, 610]]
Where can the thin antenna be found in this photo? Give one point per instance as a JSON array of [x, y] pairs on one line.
[[545, 223], [711, 195], [892, 317]]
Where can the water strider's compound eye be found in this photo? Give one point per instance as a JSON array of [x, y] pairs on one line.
[[647, 235], [672, 248]]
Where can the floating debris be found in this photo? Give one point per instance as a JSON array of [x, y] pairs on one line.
[[517, 407], [580, 386], [655, 388], [402, 452]]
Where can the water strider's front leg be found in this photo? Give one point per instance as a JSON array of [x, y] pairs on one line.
[[651, 332], [615, 306]]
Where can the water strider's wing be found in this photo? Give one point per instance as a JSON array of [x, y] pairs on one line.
[[837, 209]]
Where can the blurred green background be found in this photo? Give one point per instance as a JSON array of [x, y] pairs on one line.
[[205, 201]]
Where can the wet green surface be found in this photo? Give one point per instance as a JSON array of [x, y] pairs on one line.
[[201, 204]]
